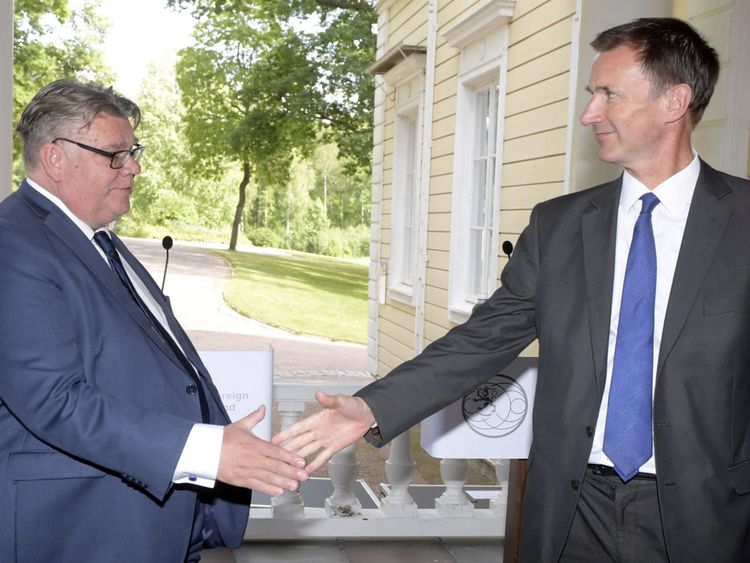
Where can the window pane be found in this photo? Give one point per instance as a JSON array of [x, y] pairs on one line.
[[408, 202], [482, 191]]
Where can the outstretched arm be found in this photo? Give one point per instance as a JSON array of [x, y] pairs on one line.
[[343, 421]]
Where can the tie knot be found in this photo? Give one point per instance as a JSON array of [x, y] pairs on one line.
[[105, 243], [649, 202]]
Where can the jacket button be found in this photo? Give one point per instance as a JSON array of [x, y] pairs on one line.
[[191, 389], [589, 431], [575, 484]]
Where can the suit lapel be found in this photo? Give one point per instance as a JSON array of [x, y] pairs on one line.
[[158, 296], [62, 228], [174, 325], [599, 228], [705, 226]]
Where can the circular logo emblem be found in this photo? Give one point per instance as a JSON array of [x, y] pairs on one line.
[[496, 408]]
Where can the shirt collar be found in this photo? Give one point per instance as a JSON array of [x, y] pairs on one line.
[[87, 231], [675, 193]]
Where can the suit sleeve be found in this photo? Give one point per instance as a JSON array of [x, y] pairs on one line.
[[467, 355], [44, 385]]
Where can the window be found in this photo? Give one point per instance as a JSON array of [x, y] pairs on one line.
[[403, 68], [481, 258], [477, 153], [404, 203]]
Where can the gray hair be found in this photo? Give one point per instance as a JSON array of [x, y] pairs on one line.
[[64, 104]]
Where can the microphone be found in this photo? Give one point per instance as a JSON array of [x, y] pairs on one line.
[[507, 248], [166, 243]]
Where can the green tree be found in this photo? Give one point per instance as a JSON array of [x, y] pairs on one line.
[[339, 49], [169, 190], [51, 41], [239, 84]]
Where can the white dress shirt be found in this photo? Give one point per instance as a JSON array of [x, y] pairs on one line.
[[668, 220], [199, 461]]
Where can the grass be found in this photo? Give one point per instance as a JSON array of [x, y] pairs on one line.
[[302, 293]]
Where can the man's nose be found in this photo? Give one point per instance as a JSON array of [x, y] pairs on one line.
[[132, 167], [591, 113]]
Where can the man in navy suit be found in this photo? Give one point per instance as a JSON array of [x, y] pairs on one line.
[[114, 445]]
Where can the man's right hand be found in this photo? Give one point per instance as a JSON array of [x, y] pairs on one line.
[[343, 421], [247, 461]]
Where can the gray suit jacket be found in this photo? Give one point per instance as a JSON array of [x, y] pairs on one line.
[[93, 406], [557, 287]]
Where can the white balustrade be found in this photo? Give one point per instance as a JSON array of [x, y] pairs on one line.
[[343, 472], [398, 516], [290, 504], [454, 502], [399, 468]]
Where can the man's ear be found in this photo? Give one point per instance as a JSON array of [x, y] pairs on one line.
[[678, 99], [53, 160]]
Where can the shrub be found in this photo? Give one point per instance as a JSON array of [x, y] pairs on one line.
[[263, 236]]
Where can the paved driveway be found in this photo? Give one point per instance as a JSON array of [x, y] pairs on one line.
[[195, 283]]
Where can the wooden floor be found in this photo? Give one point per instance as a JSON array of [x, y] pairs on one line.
[[362, 551]]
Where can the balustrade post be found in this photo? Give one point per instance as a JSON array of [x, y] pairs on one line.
[[499, 504], [343, 469], [454, 502], [399, 468], [289, 504]]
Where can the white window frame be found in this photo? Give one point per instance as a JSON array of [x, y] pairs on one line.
[[480, 185], [407, 154], [483, 65]]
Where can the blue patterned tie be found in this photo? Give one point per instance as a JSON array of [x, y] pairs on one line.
[[627, 435]]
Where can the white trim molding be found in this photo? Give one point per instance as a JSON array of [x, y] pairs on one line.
[[487, 18], [6, 97]]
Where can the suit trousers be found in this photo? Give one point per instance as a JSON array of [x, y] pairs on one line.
[[616, 522]]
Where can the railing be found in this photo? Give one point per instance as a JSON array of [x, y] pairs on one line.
[[397, 516]]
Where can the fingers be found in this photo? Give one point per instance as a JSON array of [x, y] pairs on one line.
[[296, 430], [248, 461], [319, 460]]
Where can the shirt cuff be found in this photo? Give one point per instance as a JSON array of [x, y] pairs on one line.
[[199, 462]]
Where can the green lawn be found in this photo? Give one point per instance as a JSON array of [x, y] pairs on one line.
[[303, 293]]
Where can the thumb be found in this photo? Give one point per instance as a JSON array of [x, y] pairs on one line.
[[251, 420], [325, 400]]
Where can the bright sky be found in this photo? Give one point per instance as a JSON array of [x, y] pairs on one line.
[[141, 31]]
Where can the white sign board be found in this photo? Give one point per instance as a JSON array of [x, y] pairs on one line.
[[491, 422], [245, 381]]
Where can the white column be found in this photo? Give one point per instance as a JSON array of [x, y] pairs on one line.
[[454, 502], [499, 504], [289, 504], [343, 469], [399, 468], [6, 96]]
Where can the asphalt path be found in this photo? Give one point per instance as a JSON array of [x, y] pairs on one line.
[[195, 283]]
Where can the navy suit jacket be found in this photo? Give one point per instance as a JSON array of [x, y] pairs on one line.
[[557, 288], [94, 411]]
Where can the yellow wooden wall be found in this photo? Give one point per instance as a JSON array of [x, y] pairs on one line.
[[536, 109]]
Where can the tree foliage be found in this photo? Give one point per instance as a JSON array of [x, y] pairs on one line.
[[169, 192], [51, 41], [241, 85], [338, 41]]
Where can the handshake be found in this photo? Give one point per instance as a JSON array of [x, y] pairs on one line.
[[280, 465]]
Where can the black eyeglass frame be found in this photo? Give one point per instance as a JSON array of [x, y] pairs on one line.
[[135, 152]]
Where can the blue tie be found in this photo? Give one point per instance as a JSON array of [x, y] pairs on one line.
[[105, 243], [627, 435]]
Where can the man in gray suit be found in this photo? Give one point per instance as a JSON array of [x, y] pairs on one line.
[[637, 291], [114, 444]]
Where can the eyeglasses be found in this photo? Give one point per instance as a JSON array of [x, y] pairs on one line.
[[117, 159]]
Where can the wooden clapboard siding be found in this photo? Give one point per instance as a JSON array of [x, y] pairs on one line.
[[534, 124]]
